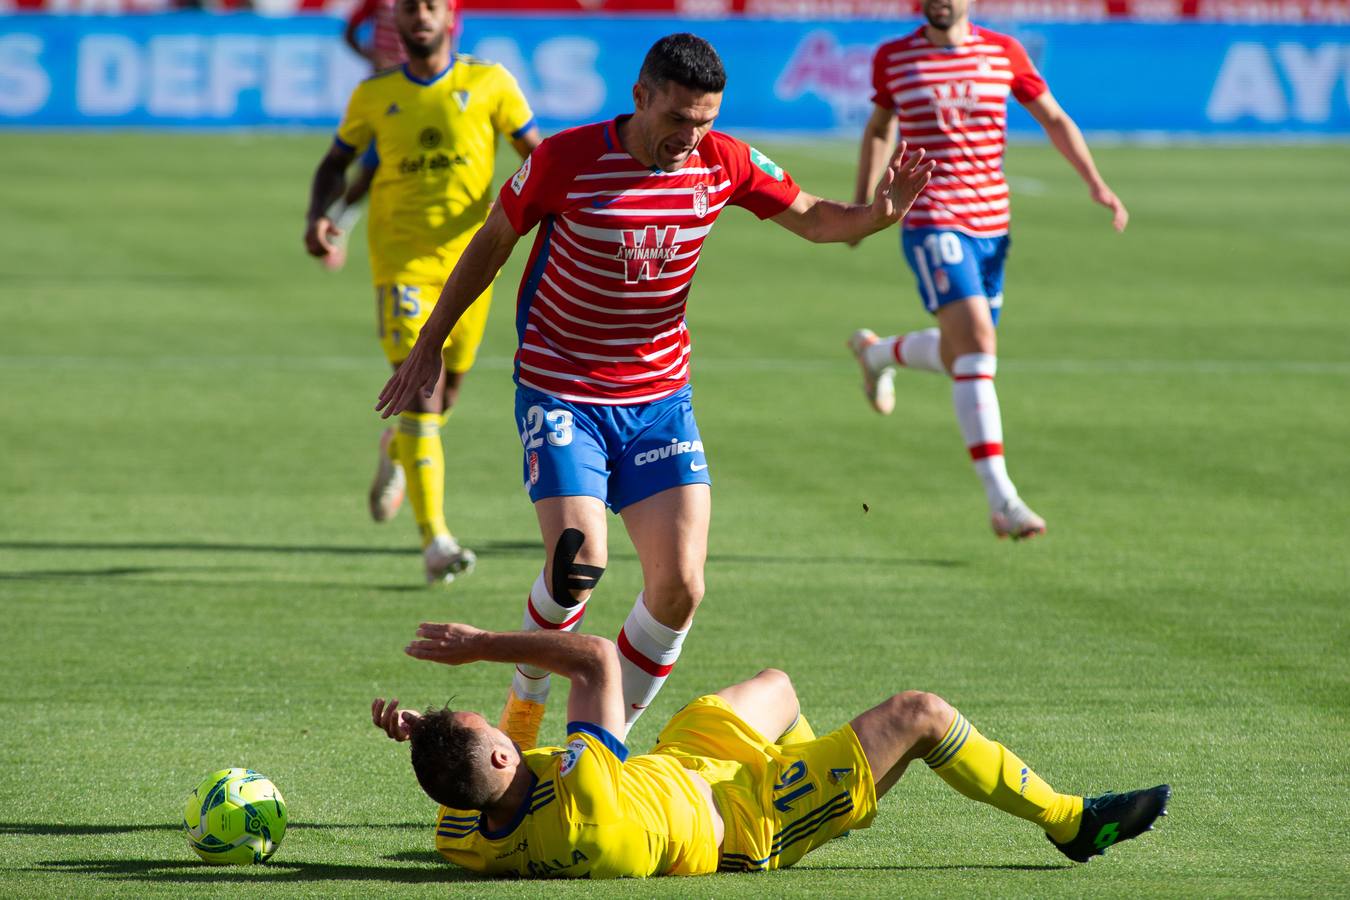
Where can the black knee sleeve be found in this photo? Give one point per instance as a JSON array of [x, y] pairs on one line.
[[568, 575]]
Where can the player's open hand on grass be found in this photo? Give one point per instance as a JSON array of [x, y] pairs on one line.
[[1120, 216], [450, 643], [319, 235], [395, 722], [901, 183], [420, 371]]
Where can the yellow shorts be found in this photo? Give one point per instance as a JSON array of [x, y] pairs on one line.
[[778, 803], [402, 310]]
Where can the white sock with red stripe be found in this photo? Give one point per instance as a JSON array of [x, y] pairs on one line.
[[647, 653], [542, 611], [916, 350], [977, 413]]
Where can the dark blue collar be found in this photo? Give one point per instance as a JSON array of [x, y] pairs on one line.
[[517, 818], [433, 79]]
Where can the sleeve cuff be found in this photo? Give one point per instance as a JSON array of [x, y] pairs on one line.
[[612, 744], [339, 142], [522, 129]]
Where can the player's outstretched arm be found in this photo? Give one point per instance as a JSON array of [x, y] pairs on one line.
[[330, 180], [479, 264], [824, 221], [1068, 140], [590, 663], [878, 142]]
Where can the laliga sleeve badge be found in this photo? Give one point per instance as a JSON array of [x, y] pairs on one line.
[[768, 166], [523, 175], [571, 755]]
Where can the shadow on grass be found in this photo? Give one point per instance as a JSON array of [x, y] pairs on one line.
[[51, 828], [195, 872], [484, 548], [414, 856], [953, 867]]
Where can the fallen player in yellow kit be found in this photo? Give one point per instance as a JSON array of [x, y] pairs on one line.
[[737, 780]]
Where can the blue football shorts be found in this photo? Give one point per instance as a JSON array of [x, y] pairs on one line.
[[620, 454], [951, 265]]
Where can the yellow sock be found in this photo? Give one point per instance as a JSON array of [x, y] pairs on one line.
[[799, 732], [987, 771], [423, 459]]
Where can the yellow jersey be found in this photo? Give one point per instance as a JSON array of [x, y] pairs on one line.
[[437, 143], [592, 812]]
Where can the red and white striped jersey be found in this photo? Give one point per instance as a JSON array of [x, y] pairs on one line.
[[953, 102], [600, 314], [385, 43]]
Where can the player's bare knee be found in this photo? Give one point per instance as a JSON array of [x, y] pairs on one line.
[[929, 714], [776, 679], [678, 593], [784, 691], [921, 713], [570, 580]]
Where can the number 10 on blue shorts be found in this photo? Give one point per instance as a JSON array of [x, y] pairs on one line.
[[620, 454], [952, 265]]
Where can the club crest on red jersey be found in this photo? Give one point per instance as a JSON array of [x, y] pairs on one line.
[[700, 200], [645, 253], [954, 101]]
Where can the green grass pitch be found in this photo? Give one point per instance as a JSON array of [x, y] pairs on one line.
[[188, 578]]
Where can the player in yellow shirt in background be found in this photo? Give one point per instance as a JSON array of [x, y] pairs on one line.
[[435, 122], [737, 781]]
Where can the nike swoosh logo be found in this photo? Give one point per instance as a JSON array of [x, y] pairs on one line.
[[695, 467], [635, 706], [601, 204]]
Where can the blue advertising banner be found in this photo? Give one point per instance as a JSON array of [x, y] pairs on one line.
[[198, 70]]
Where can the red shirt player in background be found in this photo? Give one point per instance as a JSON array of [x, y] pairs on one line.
[[385, 49], [621, 210], [947, 84]]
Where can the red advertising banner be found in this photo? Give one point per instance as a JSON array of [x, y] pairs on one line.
[[1229, 11]]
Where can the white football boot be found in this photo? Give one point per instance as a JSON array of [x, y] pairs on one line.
[[390, 484], [1017, 521], [445, 559], [878, 386]]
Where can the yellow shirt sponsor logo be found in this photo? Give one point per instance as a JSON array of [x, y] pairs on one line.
[[437, 142]]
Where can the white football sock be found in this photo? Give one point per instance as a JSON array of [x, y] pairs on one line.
[[647, 653], [977, 413], [542, 611], [916, 350]]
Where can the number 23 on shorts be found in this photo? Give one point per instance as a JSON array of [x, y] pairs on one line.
[[555, 425]]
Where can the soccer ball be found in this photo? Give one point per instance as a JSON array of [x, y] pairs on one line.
[[235, 817]]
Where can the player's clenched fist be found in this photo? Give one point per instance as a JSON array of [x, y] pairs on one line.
[[319, 236]]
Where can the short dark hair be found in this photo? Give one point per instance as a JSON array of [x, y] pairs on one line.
[[451, 761], [686, 59]]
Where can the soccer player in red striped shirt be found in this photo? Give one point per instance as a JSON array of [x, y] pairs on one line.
[[603, 402], [947, 85]]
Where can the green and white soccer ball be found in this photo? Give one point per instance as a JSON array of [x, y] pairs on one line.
[[235, 817]]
